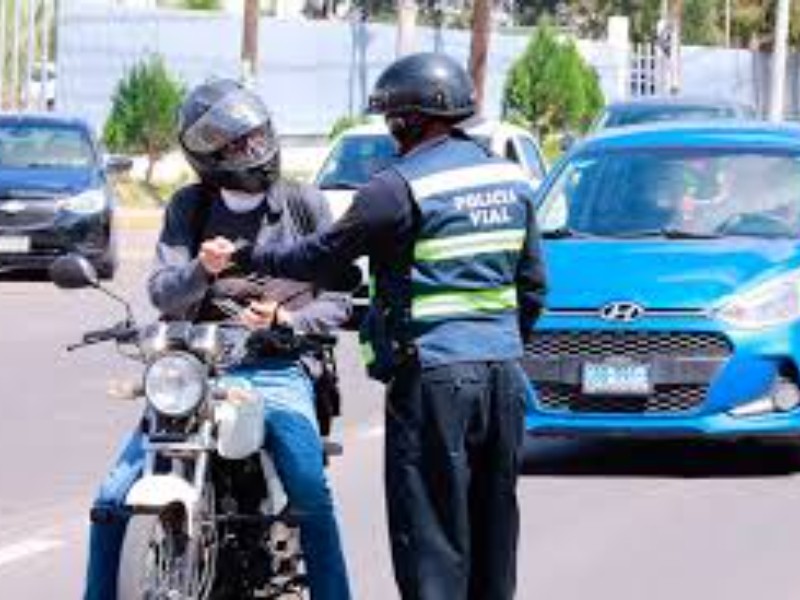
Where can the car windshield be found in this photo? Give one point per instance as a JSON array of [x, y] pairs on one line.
[[623, 117], [355, 159], [675, 193], [44, 146]]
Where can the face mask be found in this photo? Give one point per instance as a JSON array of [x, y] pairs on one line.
[[241, 202]]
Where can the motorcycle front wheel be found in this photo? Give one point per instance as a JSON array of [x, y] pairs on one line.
[[161, 562]]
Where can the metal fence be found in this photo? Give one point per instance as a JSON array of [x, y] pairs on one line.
[[27, 73]]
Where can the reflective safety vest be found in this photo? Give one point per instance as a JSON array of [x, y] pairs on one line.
[[457, 300]]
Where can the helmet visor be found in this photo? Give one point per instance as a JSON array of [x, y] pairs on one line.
[[252, 149], [227, 121]]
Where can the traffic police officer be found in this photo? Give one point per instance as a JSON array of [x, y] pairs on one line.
[[458, 283]]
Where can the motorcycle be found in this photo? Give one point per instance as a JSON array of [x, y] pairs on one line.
[[209, 518]]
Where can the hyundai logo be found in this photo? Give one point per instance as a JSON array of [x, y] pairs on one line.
[[622, 312]]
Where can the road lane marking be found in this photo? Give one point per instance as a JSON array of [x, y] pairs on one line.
[[26, 549]]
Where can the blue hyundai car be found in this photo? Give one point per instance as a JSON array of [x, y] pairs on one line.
[[673, 253]]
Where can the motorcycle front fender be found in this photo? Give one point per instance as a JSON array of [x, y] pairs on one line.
[[152, 493]]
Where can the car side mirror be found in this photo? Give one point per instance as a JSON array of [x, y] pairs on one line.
[[73, 271], [116, 164]]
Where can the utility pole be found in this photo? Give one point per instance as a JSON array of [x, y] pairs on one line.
[[250, 42], [776, 93], [479, 48], [676, 16], [727, 23], [406, 27]]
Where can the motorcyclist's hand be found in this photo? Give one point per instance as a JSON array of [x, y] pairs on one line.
[[216, 255], [260, 314], [263, 314]]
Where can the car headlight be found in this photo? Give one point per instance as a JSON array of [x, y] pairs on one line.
[[175, 384], [775, 302], [85, 203]]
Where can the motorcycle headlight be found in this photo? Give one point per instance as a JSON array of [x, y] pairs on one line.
[[175, 384], [773, 303], [85, 203]]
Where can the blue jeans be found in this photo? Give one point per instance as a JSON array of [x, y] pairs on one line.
[[293, 442]]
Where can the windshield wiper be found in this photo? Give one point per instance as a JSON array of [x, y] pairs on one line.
[[562, 233], [341, 185], [665, 232], [681, 234]]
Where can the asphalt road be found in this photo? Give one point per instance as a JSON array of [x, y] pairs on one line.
[[617, 521]]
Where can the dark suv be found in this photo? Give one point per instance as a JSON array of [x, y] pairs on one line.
[[670, 108], [54, 194]]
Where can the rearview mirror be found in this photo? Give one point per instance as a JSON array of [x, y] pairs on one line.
[[567, 141], [73, 271]]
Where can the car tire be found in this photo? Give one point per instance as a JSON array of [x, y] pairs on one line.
[[108, 263]]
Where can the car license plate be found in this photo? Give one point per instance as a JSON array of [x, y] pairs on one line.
[[15, 244], [616, 379]]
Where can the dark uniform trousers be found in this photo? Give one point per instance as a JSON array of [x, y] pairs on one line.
[[453, 442]]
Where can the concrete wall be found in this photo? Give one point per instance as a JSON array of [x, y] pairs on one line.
[[313, 72]]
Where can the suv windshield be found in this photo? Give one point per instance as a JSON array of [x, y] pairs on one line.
[[355, 159], [42, 146], [624, 116], [675, 193]]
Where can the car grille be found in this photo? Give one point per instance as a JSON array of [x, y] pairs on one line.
[[39, 213], [583, 345], [666, 399], [595, 344]]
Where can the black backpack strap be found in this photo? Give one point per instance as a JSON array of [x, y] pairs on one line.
[[303, 217], [198, 217]]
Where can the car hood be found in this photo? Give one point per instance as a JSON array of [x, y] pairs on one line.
[[339, 201], [44, 181], [668, 274]]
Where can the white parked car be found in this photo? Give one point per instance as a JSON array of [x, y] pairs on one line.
[[361, 151], [41, 87]]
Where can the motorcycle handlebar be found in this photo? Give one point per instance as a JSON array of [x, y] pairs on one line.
[[121, 332]]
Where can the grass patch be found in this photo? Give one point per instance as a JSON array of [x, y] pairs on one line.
[[133, 193]]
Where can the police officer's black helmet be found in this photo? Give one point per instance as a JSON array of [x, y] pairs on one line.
[[427, 83], [226, 134]]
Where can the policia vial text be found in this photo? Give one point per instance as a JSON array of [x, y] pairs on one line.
[[488, 207]]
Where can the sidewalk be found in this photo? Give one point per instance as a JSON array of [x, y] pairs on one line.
[[139, 219]]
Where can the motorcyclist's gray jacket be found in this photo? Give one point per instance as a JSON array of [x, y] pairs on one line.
[[180, 288]]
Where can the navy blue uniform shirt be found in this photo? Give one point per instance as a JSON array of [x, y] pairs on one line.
[[381, 224]]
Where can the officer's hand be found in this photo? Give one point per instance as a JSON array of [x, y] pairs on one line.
[[216, 255]]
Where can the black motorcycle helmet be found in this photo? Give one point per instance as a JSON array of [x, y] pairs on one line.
[[419, 88], [226, 134]]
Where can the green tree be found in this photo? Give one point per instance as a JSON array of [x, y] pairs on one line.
[[550, 87], [192, 4], [144, 106], [701, 23], [202, 4]]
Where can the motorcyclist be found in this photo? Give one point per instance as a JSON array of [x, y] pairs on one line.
[[226, 134]]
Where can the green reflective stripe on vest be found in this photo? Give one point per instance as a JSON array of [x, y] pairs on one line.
[[367, 353], [469, 245], [456, 303]]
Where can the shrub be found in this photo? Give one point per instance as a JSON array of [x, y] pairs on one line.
[[342, 124], [550, 87], [143, 111]]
